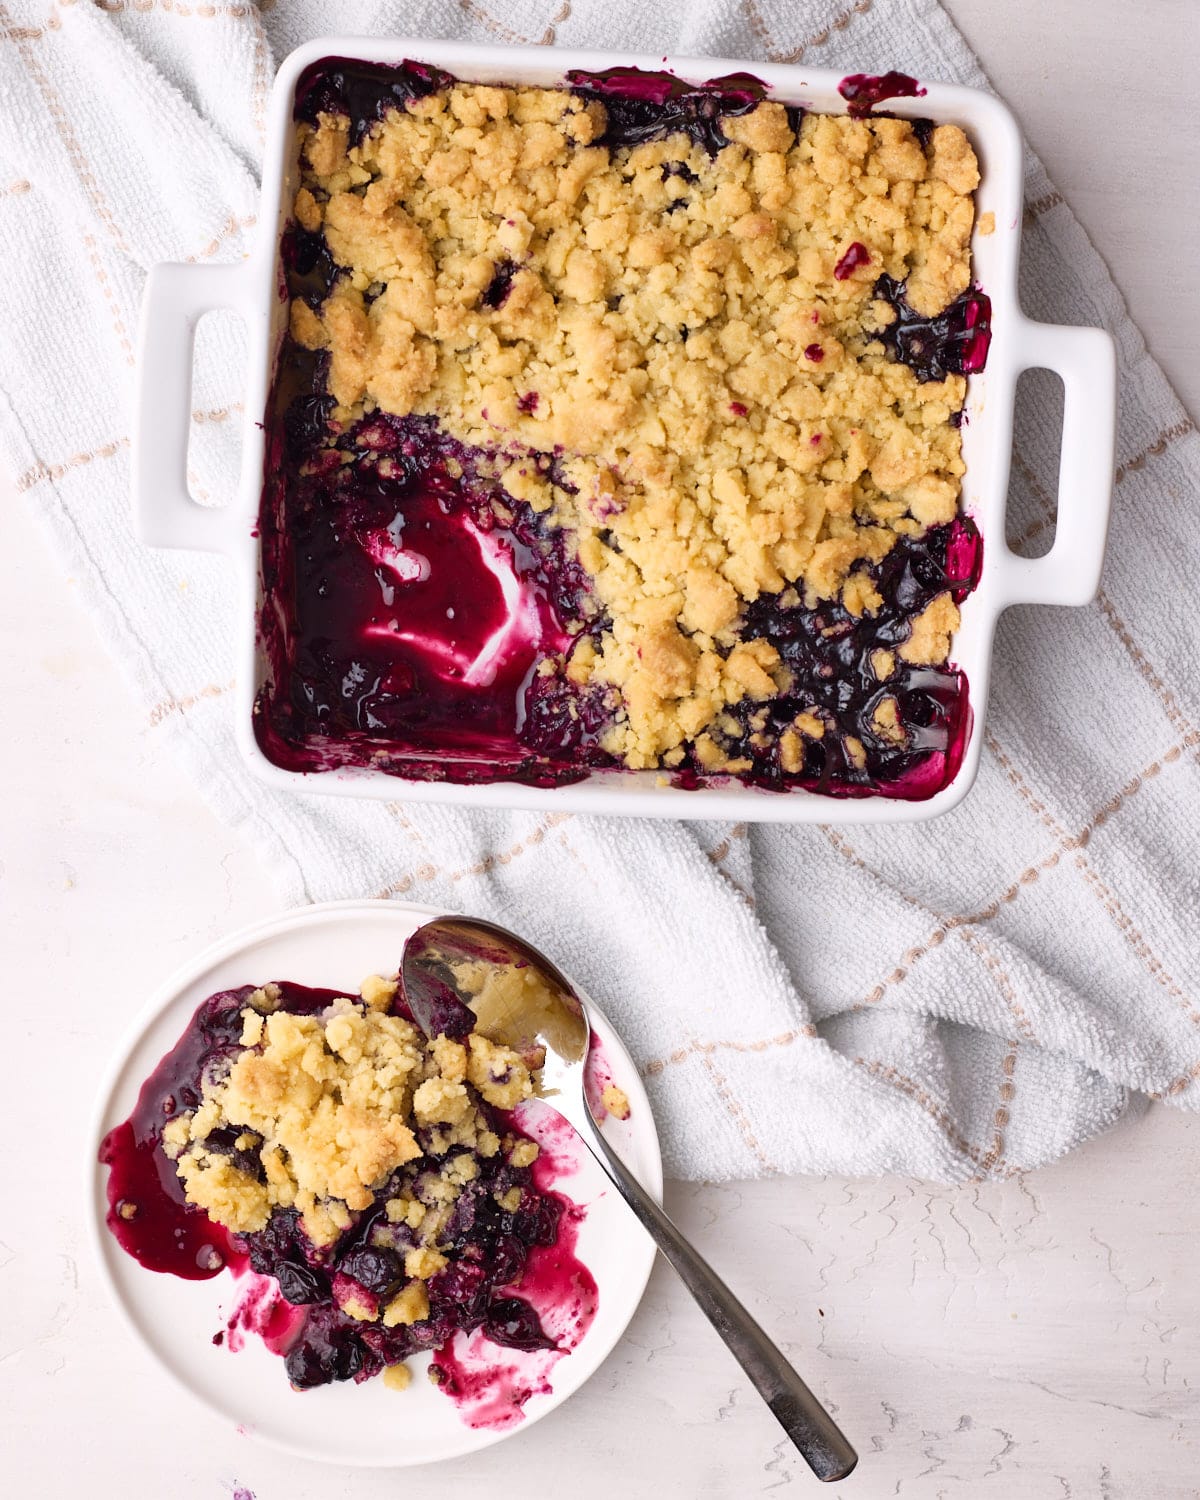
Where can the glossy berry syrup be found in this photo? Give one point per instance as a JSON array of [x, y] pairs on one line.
[[642, 106], [863, 91], [414, 610], [955, 342], [831, 651], [512, 1282], [410, 601], [147, 1212]]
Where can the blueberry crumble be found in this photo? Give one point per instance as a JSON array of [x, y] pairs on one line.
[[617, 427], [376, 1175]]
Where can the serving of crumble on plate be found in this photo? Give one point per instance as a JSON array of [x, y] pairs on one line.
[[617, 428], [346, 1207]]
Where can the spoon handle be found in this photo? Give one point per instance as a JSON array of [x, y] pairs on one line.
[[815, 1434]]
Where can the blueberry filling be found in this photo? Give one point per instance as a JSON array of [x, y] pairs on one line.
[[310, 268], [833, 655], [643, 106], [398, 570], [514, 1323], [363, 91], [497, 290]]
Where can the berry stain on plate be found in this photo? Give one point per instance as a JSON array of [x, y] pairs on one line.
[[487, 1383]]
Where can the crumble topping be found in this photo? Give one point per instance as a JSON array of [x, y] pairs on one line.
[[679, 358], [616, 1101], [931, 632], [324, 1109]]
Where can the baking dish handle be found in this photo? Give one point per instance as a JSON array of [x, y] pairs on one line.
[[176, 298], [1085, 361]]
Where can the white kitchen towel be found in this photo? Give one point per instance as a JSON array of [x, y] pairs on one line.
[[969, 997]]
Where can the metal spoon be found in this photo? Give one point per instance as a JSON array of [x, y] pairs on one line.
[[461, 974]]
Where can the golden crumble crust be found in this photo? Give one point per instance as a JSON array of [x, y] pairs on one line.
[[931, 631], [397, 1377], [728, 424], [615, 1101], [329, 1106]]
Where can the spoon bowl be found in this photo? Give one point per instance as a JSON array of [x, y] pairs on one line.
[[462, 974]]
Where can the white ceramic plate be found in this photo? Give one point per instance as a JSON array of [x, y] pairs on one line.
[[337, 945]]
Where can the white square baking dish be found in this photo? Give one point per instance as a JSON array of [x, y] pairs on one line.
[[177, 296]]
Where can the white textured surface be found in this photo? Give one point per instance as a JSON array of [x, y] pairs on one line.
[[939, 1018], [1023, 1340], [1106, 95]]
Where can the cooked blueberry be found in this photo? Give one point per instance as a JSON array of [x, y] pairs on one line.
[[306, 422], [508, 1258], [536, 1221], [299, 1283], [512, 1322], [320, 1360], [379, 1270], [461, 1289], [497, 290], [225, 1142], [311, 269]]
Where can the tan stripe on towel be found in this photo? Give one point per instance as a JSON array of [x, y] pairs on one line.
[[66, 132], [737, 1114]]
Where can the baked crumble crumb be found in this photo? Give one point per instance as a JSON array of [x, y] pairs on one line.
[[695, 335], [378, 992], [886, 721], [524, 1154], [616, 1101], [397, 1377], [411, 1306], [931, 632]]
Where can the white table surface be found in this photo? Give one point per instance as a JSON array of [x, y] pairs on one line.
[[1037, 1339]]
